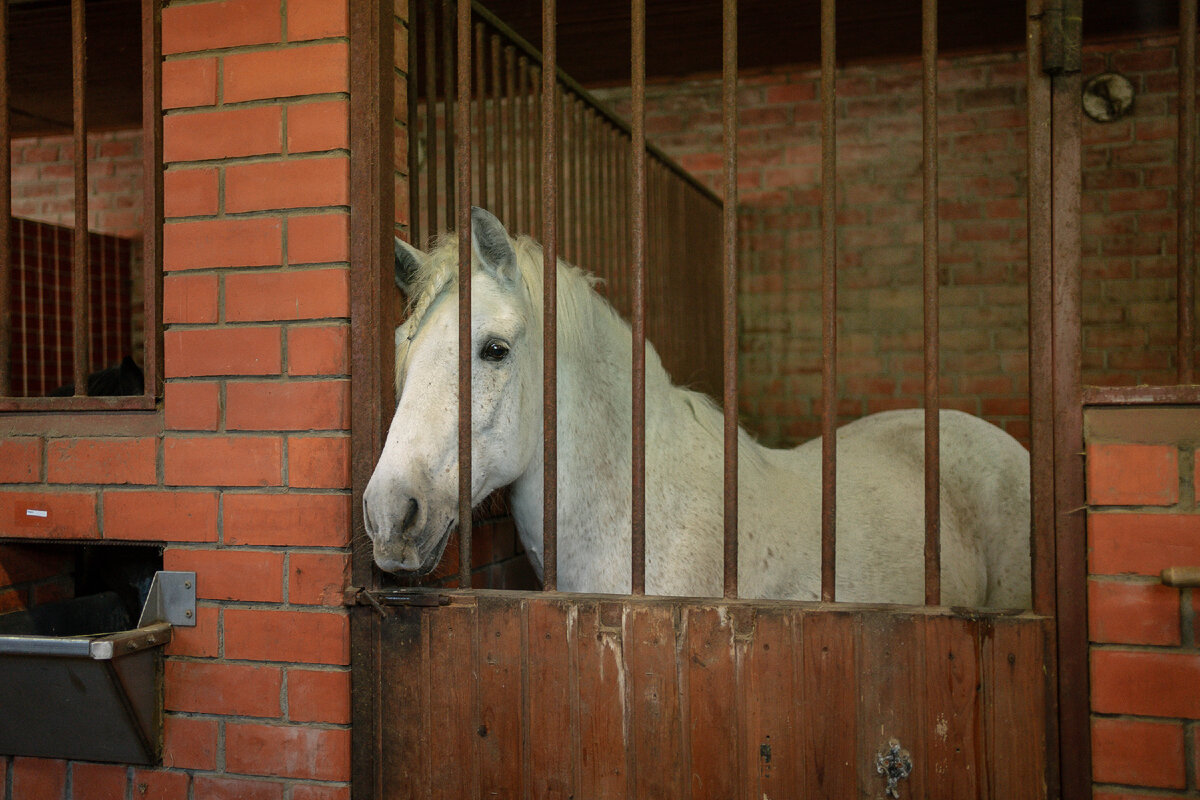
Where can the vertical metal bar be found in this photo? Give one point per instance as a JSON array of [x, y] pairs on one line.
[[828, 303], [638, 299], [432, 186], [414, 182], [465, 351], [1186, 228], [729, 76], [929, 110], [6, 249], [80, 291], [550, 296], [450, 206]]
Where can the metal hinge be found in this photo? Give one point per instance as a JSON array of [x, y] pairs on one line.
[[1062, 37]]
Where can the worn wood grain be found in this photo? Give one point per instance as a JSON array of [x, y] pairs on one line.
[[954, 768], [500, 708], [453, 697], [1014, 691], [829, 692], [548, 697], [709, 668], [659, 758], [891, 656], [772, 743], [603, 736], [402, 750]]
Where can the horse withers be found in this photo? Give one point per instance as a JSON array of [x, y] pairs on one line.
[[411, 501]]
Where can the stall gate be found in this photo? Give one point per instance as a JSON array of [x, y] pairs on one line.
[[480, 693]]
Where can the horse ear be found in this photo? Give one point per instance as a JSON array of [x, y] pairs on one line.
[[408, 261], [492, 247]]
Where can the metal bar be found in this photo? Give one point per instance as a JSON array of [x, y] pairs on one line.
[[550, 297], [729, 76], [80, 290], [414, 180], [828, 302], [6, 249], [449, 26], [152, 197], [431, 119], [1186, 278], [638, 298], [465, 351], [929, 171]]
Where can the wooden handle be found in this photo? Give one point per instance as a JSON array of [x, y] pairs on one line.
[[1182, 577]]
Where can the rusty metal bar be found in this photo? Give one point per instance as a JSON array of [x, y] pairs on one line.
[[550, 296], [6, 249], [465, 351], [729, 121], [828, 302], [929, 171], [80, 292], [431, 119], [638, 297], [1186, 278]]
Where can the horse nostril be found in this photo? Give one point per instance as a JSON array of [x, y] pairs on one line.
[[410, 516]]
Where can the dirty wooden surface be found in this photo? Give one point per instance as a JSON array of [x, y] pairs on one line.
[[543, 695]]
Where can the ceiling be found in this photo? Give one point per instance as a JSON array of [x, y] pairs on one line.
[[683, 38]]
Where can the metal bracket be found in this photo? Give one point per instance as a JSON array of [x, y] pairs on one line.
[[172, 599], [895, 764]]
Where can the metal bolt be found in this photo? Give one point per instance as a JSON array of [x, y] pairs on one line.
[[188, 613], [187, 584]]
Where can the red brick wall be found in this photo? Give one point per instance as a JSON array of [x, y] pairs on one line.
[[245, 472], [1128, 232], [1143, 517]]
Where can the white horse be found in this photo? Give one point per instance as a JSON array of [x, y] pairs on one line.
[[411, 501]]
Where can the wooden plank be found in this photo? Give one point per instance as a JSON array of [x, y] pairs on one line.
[[500, 708], [711, 707], [547, 693], [402, 738], [829, 690], [453, 715], [652, 669], [600, 686], [891, 656], [1014, 691], [772, 744], [954, 760]]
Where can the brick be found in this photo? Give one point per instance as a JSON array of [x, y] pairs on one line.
[[190, 192], [200, 136], [1152, 684], [314, 127], [203, 352], [1138, 753], [21, 459], [296, 636], [296, 183], [1133, 613], [297, 520], [190, 298], [323, 350], [68, 515], [192, 405], [216, 688], [27, 563], [287, 72], [189, 742], [289, 295], [212, 787], [203, 640], [319, 462], [309, 791], [318, 696], [1142, 544], [318, 578], [43, 778], [160, 516], [317, 19], [288, 751], [222, 461], [189, 82], [98, 781], [202, 244], [319, 238], [159, 785], [245, 575], [209, 26], [288, 406], [115, 460]]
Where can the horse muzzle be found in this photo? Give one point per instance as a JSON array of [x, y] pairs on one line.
[[405, 537]]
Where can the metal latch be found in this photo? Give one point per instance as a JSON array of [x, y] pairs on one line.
[[378, 599], [894, 764], [172, 599]]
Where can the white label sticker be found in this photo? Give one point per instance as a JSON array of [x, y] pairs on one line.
[[36, 512]]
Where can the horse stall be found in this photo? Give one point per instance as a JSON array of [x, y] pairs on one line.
[[814, 211]]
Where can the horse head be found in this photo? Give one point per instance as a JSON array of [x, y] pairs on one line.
[[411, 502]]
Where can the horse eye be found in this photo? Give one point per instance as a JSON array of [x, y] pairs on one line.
[[494, 351]]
